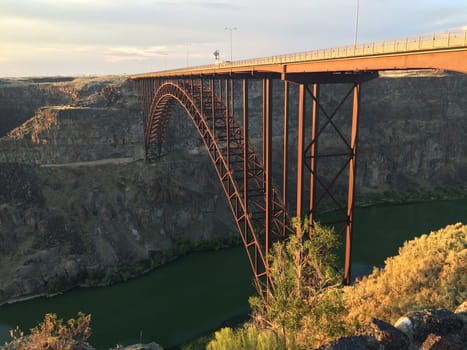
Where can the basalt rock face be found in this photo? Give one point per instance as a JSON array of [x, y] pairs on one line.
[[61, 223], [19, 100], [429, 329], [413, 132], [77, 199], [100, 119], [57, 135], [78, 203]]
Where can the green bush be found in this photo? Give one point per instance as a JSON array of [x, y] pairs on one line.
[[246, 338], [305, 305], [309, 307]]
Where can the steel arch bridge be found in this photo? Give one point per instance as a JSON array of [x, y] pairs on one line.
[[216, 98], [241, 173]]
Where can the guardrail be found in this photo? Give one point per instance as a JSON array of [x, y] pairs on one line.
[[419, 43], [436, 41]]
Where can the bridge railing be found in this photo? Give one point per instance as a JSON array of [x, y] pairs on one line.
[[436, 41], [419, 43]]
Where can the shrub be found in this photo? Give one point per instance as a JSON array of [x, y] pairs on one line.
[[58, 283], [309, 307], [53, 334], [305, 305], [428, 272], [246, 338]]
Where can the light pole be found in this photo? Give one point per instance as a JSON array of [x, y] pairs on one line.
[[356, 24], [231, 29]]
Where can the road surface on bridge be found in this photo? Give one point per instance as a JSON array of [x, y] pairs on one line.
[[446, 51]]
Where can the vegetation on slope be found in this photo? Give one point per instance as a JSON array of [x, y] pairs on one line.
[[430, 271], [305, 307], [309, 307], [52, 333]]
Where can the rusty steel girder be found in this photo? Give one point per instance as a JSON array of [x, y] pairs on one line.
[[258, 206], [322, 183]]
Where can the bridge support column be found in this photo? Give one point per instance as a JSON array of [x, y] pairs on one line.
[[285, 155], [329, 166], [300, 152], [268, 167], [313, 152], [351, 187], [245, 148]]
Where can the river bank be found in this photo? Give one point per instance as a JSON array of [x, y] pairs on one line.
[[124, 273], [199, 292], [183, 246], [169, 305], [391, 197]]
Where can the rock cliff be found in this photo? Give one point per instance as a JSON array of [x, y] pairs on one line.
[[78, 205], [413, 132]]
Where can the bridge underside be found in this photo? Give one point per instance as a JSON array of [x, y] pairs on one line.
[[308, 170]]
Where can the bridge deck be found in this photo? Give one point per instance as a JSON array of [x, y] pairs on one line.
[[310, 180], [446, 51]]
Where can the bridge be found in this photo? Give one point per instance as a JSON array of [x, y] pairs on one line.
[[267, 185]]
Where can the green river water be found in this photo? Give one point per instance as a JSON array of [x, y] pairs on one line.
[[202, 291]]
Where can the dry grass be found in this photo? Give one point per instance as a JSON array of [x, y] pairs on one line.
[[430, 271]]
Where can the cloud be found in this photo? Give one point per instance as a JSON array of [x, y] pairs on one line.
[[218, 5], [122, 54], [126, 35], [120, 12]]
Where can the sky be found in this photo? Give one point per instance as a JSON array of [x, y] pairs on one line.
[[100, 37]]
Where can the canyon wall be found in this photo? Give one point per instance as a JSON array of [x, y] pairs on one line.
[[78, 204]]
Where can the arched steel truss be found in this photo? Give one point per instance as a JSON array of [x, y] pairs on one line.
[[258, 208]]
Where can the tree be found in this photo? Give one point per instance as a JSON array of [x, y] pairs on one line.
[[305, 305]]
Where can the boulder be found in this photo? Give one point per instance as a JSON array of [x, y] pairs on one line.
[[443, 342], [461, 311], [417, 325], [382, 335], [149, 346]]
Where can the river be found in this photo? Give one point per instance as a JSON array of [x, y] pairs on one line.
[[201, 291]]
